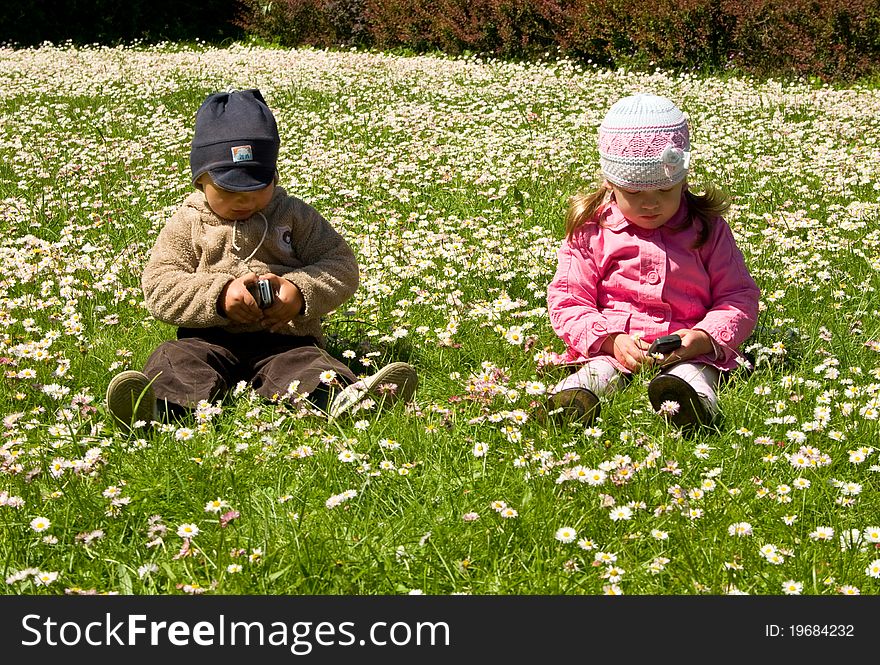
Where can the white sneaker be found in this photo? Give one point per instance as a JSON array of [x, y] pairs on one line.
[[393, 383], [130, 399]]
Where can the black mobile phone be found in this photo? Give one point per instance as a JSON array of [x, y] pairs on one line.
[[262, 293], [665, 344]]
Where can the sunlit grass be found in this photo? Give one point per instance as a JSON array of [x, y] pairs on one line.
[[449, 179]]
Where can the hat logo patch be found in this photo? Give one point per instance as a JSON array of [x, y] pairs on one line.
[[242, 153]]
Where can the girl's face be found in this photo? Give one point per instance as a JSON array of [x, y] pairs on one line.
[[235, 205], [649, 209]]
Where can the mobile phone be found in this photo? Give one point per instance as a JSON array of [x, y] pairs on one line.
[[665, 344], [262, 293]]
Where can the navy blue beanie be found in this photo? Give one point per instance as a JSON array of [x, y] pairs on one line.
[[236, 141]]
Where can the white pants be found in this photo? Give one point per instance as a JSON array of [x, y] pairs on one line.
[[603, 378]]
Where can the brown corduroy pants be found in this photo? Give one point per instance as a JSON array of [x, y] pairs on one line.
[[205, 363]]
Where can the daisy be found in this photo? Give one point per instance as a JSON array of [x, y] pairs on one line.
[[873, 569], [40, 524], [147, 569], [701, 451], [594, 477], [792, 588], [852, 539], [740, 529], [658, 564], [620, 513], [565, 534], [187, 531], [216, 506], [872, 534], [613, 574], [669, 408], [509, 513], [45, 579], [822, 533], [535, 388]]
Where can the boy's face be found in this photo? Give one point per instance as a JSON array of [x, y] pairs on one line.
[[649, 209], [235, 205]]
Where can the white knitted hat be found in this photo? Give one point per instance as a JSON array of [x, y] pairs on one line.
[[644, 143]]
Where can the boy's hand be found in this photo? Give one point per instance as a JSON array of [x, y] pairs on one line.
[[237, 304], [628, 351], [693, 343], [288, 303]]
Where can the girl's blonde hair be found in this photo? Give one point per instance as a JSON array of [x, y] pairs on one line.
[[714, 202]]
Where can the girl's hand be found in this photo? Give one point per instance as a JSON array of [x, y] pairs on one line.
[[628, 351], [288, 303], [693, 343], [236, 303]]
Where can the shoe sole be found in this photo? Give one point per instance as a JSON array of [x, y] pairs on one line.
[[398, 373], [574, 404], [130, 398], [691, 411]]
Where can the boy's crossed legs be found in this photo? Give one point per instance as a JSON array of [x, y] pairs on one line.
[[206, 364]]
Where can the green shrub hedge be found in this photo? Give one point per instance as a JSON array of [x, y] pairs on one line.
[[828, 39]]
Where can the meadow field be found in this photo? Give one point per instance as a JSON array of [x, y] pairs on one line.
[[449, 178]]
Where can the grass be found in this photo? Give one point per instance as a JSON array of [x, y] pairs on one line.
[[449, 179]]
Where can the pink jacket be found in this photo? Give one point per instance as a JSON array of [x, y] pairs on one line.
[[614, 277]]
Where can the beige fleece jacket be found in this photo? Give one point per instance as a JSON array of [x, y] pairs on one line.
[[197, 253]]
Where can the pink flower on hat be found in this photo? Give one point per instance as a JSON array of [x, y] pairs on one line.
[[674, 160]]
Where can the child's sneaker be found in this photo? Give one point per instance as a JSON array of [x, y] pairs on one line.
[[392, 383], [130, 399], [578, 404], [677, 400]]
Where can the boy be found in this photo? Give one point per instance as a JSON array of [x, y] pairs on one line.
[[240, 228]]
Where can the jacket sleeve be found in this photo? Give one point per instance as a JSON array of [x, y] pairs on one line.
[[734, 311], [329, 275], [174, 292], [572, 297]]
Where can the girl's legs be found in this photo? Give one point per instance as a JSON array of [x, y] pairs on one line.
[[692, 387], [598, 376], [577, 396]]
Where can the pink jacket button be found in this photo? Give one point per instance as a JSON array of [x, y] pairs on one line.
[[653, 277]]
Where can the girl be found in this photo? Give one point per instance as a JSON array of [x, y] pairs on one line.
[[643, 258]]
